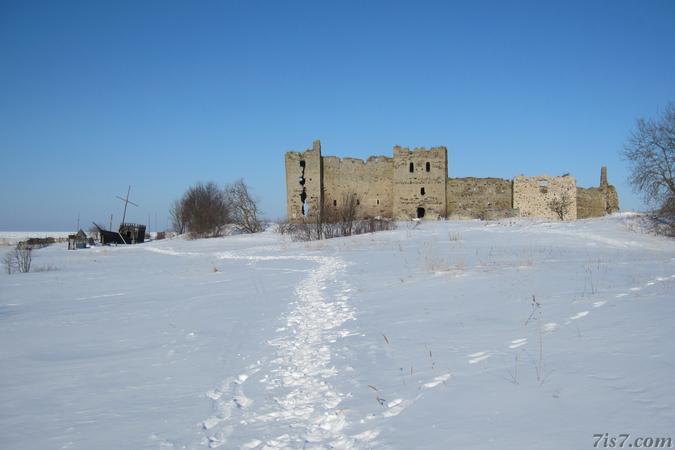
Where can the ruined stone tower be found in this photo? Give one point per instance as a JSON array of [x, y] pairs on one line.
[[303, 182], [420, 176]]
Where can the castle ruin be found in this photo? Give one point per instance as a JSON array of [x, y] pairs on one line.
[[415, 184]]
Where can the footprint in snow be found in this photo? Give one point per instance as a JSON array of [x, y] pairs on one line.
[[367, 435], [518, 343], [252, 444], [579, 315], [551, 327], [395, 407], [478, 357], [437, 380]]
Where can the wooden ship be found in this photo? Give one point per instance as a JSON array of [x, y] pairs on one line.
[[127, 233]]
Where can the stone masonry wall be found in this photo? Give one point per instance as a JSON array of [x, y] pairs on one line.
[[591, 202], [597, 201], [479, 197], [420, 177], [303, 183], [532, 195], [371, 181]]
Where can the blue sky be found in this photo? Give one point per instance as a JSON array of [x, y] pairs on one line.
[[99, 95]]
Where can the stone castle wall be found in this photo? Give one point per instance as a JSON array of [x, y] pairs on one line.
[[533, 195], [414, 183], [479, 197], [371, 181]]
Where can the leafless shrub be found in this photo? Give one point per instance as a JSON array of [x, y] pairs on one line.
[[337, 219], [561, 205], [373, 225], [160, 235], [430, 260], [308, 231], [23, 258], [244, 208], [284, 227], [19, 259], [538, 361], [204, 210]]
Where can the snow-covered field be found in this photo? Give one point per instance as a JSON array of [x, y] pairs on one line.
[[423, 337]]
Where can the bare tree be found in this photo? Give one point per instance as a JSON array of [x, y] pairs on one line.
[[23, 256], [178, 217], [347, 212], [244, 207], [650, 151], [205, 210], [19, 259], [561, 205]]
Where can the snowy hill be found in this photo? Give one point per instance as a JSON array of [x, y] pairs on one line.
[[514, 334]]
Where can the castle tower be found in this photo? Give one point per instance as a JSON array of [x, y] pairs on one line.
[[420, 178], [603, 177], [304, 178]]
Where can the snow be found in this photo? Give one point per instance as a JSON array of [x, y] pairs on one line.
[[510, 334]]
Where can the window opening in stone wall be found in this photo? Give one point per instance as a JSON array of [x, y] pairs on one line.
[[334, 202], [301, 179], [420, 213], [358, 202], [428, 166], [378, 201], [422, 192], [303, 201], [412, 167]]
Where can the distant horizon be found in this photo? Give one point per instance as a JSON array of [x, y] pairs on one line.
[[162, 95]]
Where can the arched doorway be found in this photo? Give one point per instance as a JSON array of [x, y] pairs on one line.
[[420, 212]]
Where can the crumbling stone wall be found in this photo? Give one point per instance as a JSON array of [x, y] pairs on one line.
[[420, 177], [479, 197], [303, 183], [597, 201], [532, 196], [612, 200], [371, 181], [591, 202]]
